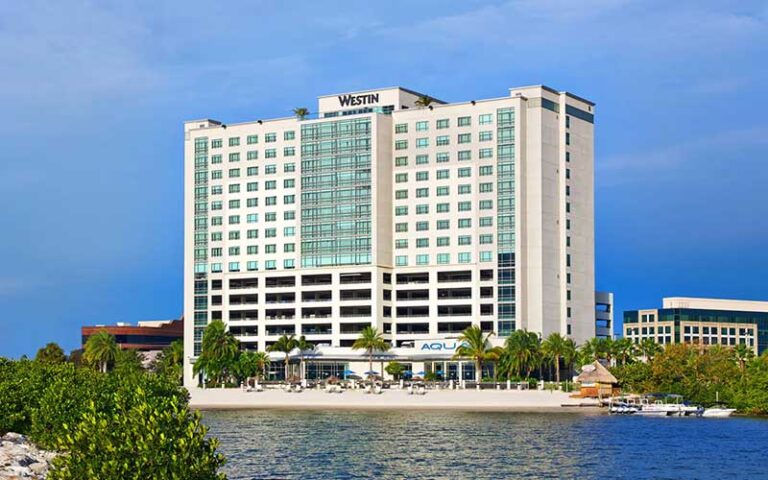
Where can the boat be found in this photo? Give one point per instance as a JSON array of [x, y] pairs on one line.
[[718, 412]]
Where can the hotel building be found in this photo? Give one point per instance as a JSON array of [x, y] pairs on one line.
[[378, 210], [701, 321]]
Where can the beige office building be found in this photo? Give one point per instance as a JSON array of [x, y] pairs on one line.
[[378, 210]]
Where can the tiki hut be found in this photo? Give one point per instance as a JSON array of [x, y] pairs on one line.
[[597, 381]]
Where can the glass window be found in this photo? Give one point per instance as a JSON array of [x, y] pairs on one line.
[[402, 210], [234, 141], [422, 192], [464, 189], [401, 161], [486, 136], [465, 257], [465, 172], [443, 241], [422, 126], [252, 139], [443, 174], [442, 157], [422, 176], [401, 260], [234, 157], [442, 191], [465, 223], [465, 206], [270, 137], [486, 170], [422, 209], [401, 128], [401, 178], [443, 123], [465, 137], [401, 144], [443, 207], [422, 142], [442, 140], [289, 135], [422, 259], [486, 153], [486, 119], [443, 258], [465, 121], [465, 155]]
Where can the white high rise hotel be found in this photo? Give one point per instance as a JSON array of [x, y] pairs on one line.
[[377, 211]]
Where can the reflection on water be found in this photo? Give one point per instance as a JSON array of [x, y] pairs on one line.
[[445, 444]]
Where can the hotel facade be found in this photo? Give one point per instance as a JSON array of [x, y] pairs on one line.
[[701, 321], [378, 210]]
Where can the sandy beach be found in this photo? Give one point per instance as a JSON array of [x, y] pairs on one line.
[[467, 400]]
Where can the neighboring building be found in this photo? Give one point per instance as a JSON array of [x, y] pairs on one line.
[[701, 321], [147, 336], [375, 211], [604, 314]]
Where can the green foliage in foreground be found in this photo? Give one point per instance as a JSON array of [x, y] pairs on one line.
[[702, 376], [125, 424]]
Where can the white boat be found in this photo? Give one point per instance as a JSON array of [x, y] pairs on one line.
[[718, 412]]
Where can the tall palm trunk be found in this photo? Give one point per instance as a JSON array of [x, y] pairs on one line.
[[370, 362], [478, 371], [557, 368], [286, 367]]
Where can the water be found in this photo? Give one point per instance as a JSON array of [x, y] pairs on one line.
[[446, 444]]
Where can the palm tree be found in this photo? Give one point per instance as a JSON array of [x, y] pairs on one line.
[[624, 351], [219, 352], [370, 340], [649, 348], [597, 349], [743, 354], [284, 344], [424, 101], [51, 353], [303, 345], [263, 361], [523, 351], [476, 346], [171, 360], [301, 112], [101, 348], [554, 348]]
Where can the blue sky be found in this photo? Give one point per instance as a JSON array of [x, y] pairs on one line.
[[94, 93]]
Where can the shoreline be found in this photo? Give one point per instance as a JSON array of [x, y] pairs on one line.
[[457, 400]]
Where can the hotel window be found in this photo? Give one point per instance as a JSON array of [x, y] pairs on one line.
[[422, 126], [567, 173], [567, 223], [251, 139], [216, 143], [442, 157], [215, 159], [443, 241], [465, 172], [234, 235], [422, 243], [252, 266], [252, 171], [289, 183], [270, 137], [270, 265], [442, 123], [442, 191], [422, 176], [252, 155], [234, 219], [289, 135], [216, 252], [289, 151], [289, 231], [567, 156], [568, 207], [443, 258], [443, 174], [270, 153], [270, 248], [486, 205], [401, 227], [270, 217], [401, 161], [422, 226], [234, 172], [486, 119], [270, 185], [486, 187], [401, 178], [253, 249], [567, 189], [234, 188], [270, 169], [486, 170], [234, 141], [216, 237], [401, 144], [443, 224], [217, 175], [253, 234], [289, 215], [402, 243], [422, 142], [422, 159], [465, 155], [234, 250], [442, 141], [289, 247], [422, 192], [465, 206], [401, 194], [422, 209], [289, 167], [465, 121], [567, 138], [443, 207], [465, 223], [401, 260], [486, 239], [401, 128], [486, 136], [289, 199], [464, 240], [422, 259], [252, 186], [465, 257], [486, 256], [234, 204], [216, 205], [401, 211], [270, 201], [486, 153], [215, 267], [234, 266], [464, 189], [234, 157], [486, 221], [465, 137]]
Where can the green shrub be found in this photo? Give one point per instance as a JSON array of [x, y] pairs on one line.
[[142, 435]]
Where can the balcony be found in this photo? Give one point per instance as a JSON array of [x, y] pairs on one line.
[[411, 278]]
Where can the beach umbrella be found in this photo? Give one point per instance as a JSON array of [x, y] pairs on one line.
[[420, 374], [371, 372], [346, 373]]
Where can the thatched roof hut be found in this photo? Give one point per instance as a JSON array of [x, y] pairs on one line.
[[596, 380]]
